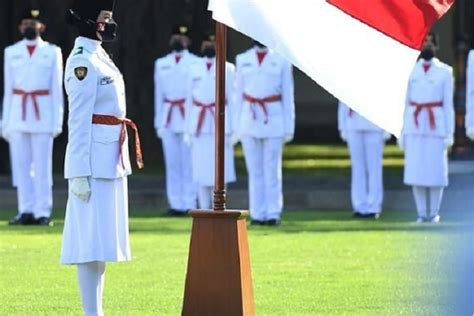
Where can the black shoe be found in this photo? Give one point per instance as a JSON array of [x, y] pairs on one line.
[[357, 215], [22, 219], [255, 222], [372, 215], [44, 221], [273, 222], [176, 213]]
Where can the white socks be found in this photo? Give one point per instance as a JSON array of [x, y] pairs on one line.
[[428, 200], [205, 197], [91, 282]]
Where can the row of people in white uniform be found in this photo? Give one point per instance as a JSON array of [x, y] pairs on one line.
[[260, 113], [427, 134]]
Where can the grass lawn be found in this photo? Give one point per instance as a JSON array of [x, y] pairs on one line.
[[316, 263], [311, 160]]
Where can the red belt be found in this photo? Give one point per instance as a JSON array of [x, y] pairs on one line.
[[429, 107], [174, 103], [202, 114], [24, 97], [112, 120], [262, 103]]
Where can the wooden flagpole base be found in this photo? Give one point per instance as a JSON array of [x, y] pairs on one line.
[[218, 280]]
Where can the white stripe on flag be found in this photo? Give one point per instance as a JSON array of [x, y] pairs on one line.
[[359, 65]]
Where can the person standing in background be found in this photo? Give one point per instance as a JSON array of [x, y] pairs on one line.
[[264, 121], [32, 117], [366, 142], [200, 122], [428, 130], [171, 76], [470, 95]]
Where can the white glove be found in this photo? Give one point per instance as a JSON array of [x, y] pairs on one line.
[[288, 138], [235, 139], [470, 132], [187, 139], [401, 142], [159, 132], [81, 188], [449, 141], [386, 136], [343, 135], [3, 131], [58, 132]]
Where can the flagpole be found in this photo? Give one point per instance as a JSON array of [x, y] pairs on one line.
[[221, 56], [218, 278]]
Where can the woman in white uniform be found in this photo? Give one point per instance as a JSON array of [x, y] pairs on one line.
[[97, 160], [428, 130], [200, 126]]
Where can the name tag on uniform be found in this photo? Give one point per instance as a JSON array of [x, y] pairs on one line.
[[246, 65], [163, 68], [106, 80]]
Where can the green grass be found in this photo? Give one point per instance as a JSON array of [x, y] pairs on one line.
[[316, 263], [313, 160]]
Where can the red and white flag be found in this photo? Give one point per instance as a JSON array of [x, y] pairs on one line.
[[361, 51]]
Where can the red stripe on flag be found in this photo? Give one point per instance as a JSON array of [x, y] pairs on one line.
[[407, 21]]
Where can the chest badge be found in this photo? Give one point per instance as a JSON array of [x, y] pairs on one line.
[[80, 72]]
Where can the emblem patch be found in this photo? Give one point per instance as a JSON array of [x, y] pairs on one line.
[[79, 51], [80, 72], [106, 80]]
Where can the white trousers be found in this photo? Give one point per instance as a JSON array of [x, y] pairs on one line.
[[33, 168], [428, 200], [366, 151], [180, 188], [263, 158]]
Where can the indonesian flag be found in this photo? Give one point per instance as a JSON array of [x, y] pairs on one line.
[[361, 51]]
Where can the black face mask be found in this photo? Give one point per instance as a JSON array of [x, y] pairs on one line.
[[108, 31], [89, 28], [30, 33], [177, 46], [427, 54], [209, 52]]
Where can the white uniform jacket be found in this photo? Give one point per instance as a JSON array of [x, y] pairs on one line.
[[273, 79], [200, 103], [429, 106], [33, 93], [93, 150], [349, 120], [170, 90], [470, 91]]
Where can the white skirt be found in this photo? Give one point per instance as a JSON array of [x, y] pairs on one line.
[[97, 230], [203, 160], [426, 161]]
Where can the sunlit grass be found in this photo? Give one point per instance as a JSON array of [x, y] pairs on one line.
[[315, 263]]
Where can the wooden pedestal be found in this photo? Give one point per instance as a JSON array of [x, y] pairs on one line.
[[218, 280]]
